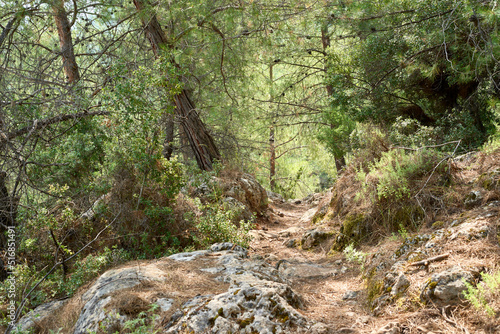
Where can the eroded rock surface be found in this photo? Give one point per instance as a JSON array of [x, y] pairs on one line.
[[238, 295]]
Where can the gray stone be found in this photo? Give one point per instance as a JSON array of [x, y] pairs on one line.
[[313, 238], [28, 322], [473, 198], [293, 269], [165, 304], [275, 197], [319, 328], [223, 246], [350, 295], [390, 328], [400, 285], [307, 216], [445, 288], [291, 243], [190, 256], [98, 296]]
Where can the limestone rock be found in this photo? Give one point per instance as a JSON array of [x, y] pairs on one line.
[[313, 238], [29, 321], [308, 215], [400, 285], [242, 295], [390, 328], [247, 190], [473, 198], [446, 287], [275, 197], [301, 270]]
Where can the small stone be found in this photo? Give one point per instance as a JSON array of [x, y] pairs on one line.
[[165, 304], [350, 295], [318, 328], [390, 328], [271, 257], [291, 243], [400, 285], [257, 257]]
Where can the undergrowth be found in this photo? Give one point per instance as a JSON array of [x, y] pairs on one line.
[[485, 296]]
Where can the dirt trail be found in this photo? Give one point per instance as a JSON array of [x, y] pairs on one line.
[[325, 297]]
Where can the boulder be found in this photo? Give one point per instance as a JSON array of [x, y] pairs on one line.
[[248, 191], [446, 287], [313, 238], [38, 315], [219, 290]]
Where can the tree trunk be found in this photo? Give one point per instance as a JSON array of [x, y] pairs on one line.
[[199, 138], [272, 144], [168, 144], [272, 160], [325, 40], [66, 42], [8, 210]]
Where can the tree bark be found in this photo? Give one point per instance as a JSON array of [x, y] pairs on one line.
[[272, 144], [66, 42], [168, 144], [200, 140], [272, 160], [8, 210], [325, 40]]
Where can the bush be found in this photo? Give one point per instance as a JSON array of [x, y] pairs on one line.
[[353, 255], [485, 296], [216, 225]]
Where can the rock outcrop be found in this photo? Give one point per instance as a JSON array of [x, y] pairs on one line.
[[219, 290]]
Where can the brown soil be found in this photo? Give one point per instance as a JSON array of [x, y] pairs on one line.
[[324, 297]]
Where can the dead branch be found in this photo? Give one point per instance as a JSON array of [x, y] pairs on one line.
[[39, 124], [431, 259]]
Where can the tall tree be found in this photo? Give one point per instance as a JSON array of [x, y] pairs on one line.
[[431, 63], [200, 140]]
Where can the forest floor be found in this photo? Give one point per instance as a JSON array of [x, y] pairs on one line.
[[323, 296], [340, 300]]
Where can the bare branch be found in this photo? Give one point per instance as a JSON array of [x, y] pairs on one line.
[[40, 124]]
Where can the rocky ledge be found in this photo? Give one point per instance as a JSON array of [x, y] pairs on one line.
[[219, 290]]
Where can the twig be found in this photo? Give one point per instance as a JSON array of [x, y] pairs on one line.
[[431, 259], [429, 146]]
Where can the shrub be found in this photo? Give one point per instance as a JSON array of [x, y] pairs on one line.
[[353, 255], [216, 225], [484, 297]]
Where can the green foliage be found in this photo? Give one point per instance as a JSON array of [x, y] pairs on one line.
[[353, 255], [423, 67], [336, 137], [484, 297], [288, 187], [216, 225], [391, 176], [144, 323]]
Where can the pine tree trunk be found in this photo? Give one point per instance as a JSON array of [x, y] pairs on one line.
[[199, 138], [168, 144], [272, 160], [65, 41], [325, 40]]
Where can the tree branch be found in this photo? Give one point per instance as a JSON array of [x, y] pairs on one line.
[[42, 123]]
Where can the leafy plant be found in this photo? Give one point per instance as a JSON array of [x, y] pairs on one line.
[[216, 225], [144, 323], [353, 255], [485, 295]]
